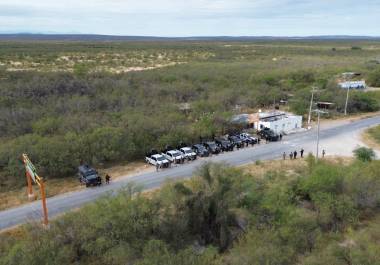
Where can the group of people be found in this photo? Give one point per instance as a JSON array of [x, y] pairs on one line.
[[293, 155]]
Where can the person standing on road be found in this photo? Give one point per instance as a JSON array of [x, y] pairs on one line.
[[284, 156], [157, 166], [302, 152], [108, 178], [295, 154], [258, 141], [291, 155], [280, 136], [323, 153]]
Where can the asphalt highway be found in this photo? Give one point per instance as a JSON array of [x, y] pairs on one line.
[[65, 202]]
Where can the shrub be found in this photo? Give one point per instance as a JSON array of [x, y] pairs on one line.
[[364, 154]]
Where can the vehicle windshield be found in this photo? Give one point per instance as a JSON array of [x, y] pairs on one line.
[[188, 151], [91, 177], [160, 158], [176, 153], [90, 173], [212, 145]]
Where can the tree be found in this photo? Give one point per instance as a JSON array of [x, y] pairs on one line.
[[209, 205]]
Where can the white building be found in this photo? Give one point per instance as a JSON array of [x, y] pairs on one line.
[[353, 85], [279, 122]]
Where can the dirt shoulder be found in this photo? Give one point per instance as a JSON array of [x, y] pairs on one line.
[[54, 187], [367, 138], [349, 118]]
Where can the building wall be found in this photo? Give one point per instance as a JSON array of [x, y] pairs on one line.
[[285, 125]]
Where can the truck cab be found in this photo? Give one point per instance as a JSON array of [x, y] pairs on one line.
[[174, 156], [212, 147], [156, 159], [188, 153], [200, 150], [224, 144]]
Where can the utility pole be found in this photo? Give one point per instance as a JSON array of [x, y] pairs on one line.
[[345, 107], [311, 106], [318, 129]]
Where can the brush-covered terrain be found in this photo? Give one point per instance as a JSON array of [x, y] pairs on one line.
[[283, 212], [110, 102]]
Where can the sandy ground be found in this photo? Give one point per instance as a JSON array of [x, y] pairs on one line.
[[59, 186], [348, 141]]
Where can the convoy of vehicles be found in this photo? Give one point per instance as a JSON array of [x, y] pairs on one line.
[[90, 177], [207, 148]]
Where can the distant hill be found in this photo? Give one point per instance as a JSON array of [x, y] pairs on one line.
[[90, 37]]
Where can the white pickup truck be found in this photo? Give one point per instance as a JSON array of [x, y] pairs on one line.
[[174, 156], [188, 153], [157, 159]]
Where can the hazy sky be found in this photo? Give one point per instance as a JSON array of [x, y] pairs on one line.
[[192, 17]]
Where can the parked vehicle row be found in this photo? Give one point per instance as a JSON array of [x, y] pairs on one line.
[[184, 152], [164, 159]]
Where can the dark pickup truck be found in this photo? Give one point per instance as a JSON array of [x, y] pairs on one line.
[[269, 135], [89, 176], [224, 144], [212, 147], [200, 150], [236, 141]]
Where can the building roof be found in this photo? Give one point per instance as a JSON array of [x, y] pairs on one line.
[[353, 84]]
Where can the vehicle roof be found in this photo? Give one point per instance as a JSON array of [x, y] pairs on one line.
[[157, 155], [186, 148], [172, 151], [86, 169]]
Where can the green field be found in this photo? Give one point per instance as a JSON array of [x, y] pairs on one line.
[[106, 102]]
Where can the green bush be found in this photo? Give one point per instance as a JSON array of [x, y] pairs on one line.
[[364, 154]]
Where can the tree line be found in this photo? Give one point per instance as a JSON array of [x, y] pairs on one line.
[[62, 118]]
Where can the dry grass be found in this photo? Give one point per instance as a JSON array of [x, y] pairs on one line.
[[58, 186], [261, 169], [291, 167], [367, 138]]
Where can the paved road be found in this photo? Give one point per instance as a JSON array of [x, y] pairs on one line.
[[65, 202]]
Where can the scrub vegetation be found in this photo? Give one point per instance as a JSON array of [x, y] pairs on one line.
[[375, 133], [107, 102], [312, 213]]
